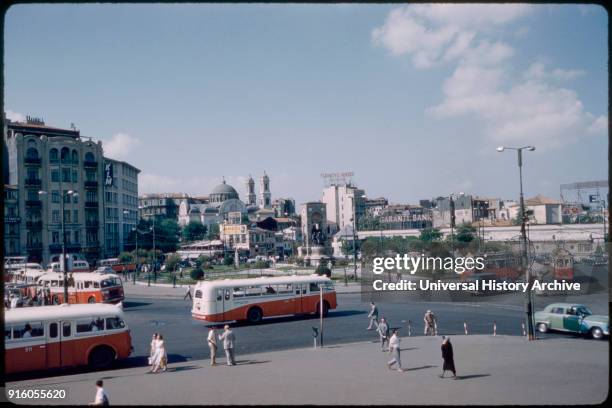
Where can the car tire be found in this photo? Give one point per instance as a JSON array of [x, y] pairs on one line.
[[254, 315], [91, 299], [542, 327], [596, 333]]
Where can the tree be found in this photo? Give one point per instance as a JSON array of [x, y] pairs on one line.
[[213, 231], [228, 260], [125, 257], [430, 235], [196, 274], [172, 262], [465, 233], [262, 264], [194, 231]]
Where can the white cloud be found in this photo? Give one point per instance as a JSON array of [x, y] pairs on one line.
[[15, 116], [432, 33], [531, 108], [120, 145], [194, 185]]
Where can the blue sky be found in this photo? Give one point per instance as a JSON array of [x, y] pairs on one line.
[[413, 99]]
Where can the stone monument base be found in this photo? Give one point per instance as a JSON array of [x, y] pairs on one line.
[[314, 255]]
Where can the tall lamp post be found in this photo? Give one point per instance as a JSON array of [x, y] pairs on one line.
[[354, 219], [528, 295], [69, 193]]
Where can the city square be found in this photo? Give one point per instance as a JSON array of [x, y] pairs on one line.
[[307, 193]]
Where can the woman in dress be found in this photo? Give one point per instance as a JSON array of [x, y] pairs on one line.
[[152, 351], [163, 355], [447, 356]]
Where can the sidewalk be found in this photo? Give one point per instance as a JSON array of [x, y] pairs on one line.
[[492, 371]]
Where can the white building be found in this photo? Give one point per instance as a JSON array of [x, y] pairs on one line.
[[341, 202]]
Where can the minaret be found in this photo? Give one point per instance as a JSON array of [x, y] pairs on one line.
[[265, 198], [251, 198]]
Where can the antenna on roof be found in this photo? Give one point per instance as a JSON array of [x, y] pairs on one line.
[[72, 126]]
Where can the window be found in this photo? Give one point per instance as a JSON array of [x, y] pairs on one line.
[[75, 157], [55, 196], [32, 195], [53, 330], [55, 215], [75, 217], [285, 289], [227, 294], [89, 325], [55, 175], [113, 323], [65, 155], [77, 236], [32, 173], [238, 292], [8, 331], [252, 291], [75, 176], [32, 153], [53, 155], [28, 330], [89, 157], [557, 310], [66, 329], [66, 175], [314, 287], [55, 237]]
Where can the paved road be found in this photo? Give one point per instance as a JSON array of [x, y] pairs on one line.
[[185, 337]]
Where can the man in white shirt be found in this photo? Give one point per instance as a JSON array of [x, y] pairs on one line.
[[212, 345], [394, 350], [228, 344], [101, 397]]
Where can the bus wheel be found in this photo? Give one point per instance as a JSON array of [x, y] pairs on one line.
[[101, 357], [56, 300], [254, 315], [325, 308], [91, 299]]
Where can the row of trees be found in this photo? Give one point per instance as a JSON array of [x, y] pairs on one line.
[[168, 234]]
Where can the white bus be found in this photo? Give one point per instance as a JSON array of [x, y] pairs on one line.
[[83, 287], [254, 299]]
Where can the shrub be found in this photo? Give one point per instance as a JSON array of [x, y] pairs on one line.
[[322, 269], [196, 274]]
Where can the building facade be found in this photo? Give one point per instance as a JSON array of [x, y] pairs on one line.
[[51, 169], [341, 202], [120, 205], [12, 221]]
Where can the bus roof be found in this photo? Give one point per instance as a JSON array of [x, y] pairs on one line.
[[228, 283], [65, 311], [91, 276]]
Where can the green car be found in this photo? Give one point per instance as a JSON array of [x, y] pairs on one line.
[[571, 317]]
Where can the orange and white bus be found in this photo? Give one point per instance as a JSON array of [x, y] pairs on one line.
[[254, 299], [83, 287], [116, 265], [45, 337]]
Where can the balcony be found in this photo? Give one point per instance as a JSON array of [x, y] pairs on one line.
[[34, 246], [32, 160], [33, 203], [91, 184], [34, 225], [34, 182], [73, 247], [90, 163]]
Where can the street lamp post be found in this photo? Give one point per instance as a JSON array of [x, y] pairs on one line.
[[354, 219], [524, 260], [69, 193]]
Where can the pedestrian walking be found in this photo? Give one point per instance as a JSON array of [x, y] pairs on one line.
[[159, 359], [228, 344], [383, 332], [394, 351], [212, 345], [101, 396], [188, 294], [152, 350], [447, 357], [431, 324], [14, 300], [164, 355], [373, 316]]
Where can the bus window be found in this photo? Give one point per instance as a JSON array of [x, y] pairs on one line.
[[7, 333], [198, 294], [285, 289], [66, 329], [53, 330], [270, 290], [252, 291], [88, 284], [314, 287], [97, 285], [28, 330], [89, 325], [113, 323], [109, 282], [238, 292], [219, 295], [227, 294]]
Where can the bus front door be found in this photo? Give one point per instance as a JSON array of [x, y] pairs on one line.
[[66, 345], [300, 290], [223, 299], [53, 345]]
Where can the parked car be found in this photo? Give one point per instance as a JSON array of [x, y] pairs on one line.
[[573, 318]]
